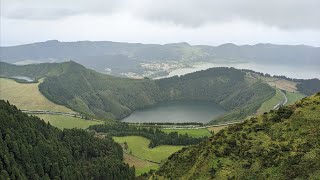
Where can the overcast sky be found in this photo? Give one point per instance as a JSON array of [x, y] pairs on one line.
[[211, 22]]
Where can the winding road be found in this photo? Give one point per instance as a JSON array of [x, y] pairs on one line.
[[283, 102]]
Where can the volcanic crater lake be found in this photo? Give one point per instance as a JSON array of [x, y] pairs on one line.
[[177, 112]]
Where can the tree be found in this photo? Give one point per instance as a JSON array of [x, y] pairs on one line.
[[125, 146]]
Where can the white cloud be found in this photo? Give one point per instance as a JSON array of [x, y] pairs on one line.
[[195, 21], [296, 14]]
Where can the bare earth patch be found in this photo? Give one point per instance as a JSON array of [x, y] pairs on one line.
[[284, 85], [136, 162]]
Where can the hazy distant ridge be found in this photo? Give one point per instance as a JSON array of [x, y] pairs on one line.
[[87, 52]]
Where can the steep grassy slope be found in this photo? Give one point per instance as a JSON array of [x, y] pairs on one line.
[[95, 94], [282, 144]]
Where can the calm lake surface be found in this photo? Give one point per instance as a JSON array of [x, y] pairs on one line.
[[177, 112], [301, 72], [23, 78]]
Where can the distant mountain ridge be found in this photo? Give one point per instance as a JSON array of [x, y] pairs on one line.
[[98, 54]]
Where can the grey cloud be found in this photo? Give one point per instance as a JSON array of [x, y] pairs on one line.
[[41, 14], [285, 14], [295, 14], [55, 9]]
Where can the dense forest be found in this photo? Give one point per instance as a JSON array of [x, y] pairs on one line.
[[156, 136], [281, 144], [32, 149]]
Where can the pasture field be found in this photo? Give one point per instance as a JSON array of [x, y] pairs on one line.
[[141, 166], [191, 132], [138, 147], [271, 103], [293, 97], [27, 96], [68, 122]]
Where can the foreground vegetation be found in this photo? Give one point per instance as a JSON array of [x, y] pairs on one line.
[[281, 144], [32, 149]]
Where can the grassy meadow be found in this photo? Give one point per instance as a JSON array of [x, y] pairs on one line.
[[190, 132], [27, 96], [67, 122]]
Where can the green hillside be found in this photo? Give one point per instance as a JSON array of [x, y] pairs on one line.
[[101, 95], [32, 149], [37, 71], [282, 144], [95, 94]]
